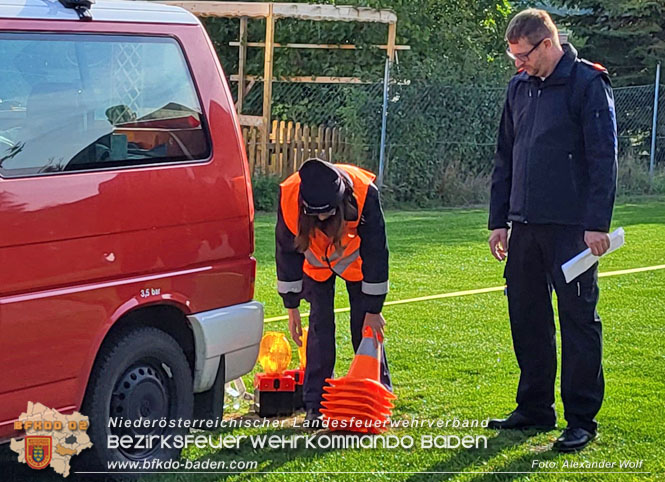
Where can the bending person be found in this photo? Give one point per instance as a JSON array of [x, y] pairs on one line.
[[330, 223]]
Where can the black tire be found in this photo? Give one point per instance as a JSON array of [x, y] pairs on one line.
[[139, 373]]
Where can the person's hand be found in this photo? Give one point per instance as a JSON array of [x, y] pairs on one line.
[[295, 325], [376, 322], [598, 242], [499, 243]]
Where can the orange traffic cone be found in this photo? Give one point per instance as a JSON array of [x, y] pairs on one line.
[[358, 402]]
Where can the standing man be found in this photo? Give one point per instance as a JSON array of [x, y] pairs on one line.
[[553, 186]]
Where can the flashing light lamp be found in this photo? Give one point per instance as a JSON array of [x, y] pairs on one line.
[[274, 353]]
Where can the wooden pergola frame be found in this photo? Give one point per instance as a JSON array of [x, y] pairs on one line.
[[272, 11]]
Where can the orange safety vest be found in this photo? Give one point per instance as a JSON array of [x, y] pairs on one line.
[[321, 259]]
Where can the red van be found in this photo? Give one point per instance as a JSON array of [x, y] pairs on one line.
[[126, 219]]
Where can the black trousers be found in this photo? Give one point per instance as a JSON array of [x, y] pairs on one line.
[[321, 336], [533, 269]]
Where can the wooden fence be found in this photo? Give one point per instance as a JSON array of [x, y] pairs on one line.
[[291, 143]]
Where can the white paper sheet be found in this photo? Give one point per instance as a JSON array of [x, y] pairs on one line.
[[583, 261]]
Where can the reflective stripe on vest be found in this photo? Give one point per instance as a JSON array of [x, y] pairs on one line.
[[334, 256], [313, 260], [346, 262]]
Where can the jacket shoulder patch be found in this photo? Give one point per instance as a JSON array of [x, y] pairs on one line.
[[594, 65]]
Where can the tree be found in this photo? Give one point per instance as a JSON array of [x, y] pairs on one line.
[[626, 36]]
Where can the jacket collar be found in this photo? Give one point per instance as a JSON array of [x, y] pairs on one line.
[[565, 66]]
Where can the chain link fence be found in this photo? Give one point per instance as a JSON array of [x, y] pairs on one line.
[[440, 139], [634, 107]]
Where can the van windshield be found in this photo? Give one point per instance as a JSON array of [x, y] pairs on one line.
[[86, 102]]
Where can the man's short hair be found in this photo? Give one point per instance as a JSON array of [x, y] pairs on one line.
[[532, 24]]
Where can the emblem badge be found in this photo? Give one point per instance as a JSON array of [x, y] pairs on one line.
[[38, 451]]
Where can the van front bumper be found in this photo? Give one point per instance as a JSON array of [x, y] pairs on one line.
[[233, 332]]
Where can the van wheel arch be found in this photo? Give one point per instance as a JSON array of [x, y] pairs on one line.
[[167, 318]]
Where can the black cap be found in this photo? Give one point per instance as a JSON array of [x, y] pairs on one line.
[[321, 186]]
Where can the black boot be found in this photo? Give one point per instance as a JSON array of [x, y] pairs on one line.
[[573, 439], [517, 421]]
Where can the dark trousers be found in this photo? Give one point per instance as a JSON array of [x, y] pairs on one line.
[[533, 269], [321, 336]]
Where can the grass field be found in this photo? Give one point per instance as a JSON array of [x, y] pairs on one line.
[[452, 358]]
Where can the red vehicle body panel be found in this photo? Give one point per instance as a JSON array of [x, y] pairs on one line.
[[79, 250]]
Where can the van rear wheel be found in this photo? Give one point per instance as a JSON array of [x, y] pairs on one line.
[[141, 375]]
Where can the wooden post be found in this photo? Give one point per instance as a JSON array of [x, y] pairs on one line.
[[288, 155], [319, 143], [242, 58], [305, 138], [298, 145], [327, 145], [282, 148], [392, 32], [252, 150], [335, 144], [274, 142], [312, 142], [267, 82]]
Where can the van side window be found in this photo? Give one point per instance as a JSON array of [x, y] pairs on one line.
[[87, 102]]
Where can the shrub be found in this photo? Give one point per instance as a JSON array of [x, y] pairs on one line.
[[266, 190], [633, 176]]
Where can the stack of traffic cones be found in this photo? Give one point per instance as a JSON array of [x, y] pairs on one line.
[[359, 402]]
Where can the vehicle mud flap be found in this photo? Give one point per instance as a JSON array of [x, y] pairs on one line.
[[209, 405]]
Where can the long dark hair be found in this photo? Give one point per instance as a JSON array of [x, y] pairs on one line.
[[333, 227]]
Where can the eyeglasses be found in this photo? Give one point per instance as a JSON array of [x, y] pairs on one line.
[[331, 212], [524, 56]]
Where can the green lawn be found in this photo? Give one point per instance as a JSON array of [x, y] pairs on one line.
[[453, 358]]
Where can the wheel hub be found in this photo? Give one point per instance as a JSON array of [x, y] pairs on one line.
[[140, 393]]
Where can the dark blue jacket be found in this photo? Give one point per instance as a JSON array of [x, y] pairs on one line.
[[556, 155]]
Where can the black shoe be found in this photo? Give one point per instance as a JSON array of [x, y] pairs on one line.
[[517, 421], [313, 419], [573, 439]]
